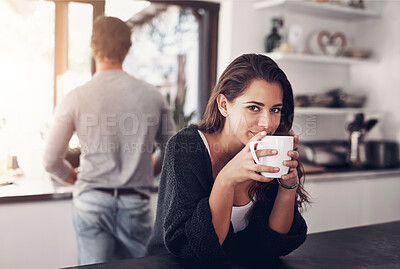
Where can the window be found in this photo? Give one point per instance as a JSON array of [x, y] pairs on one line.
[[27, 60], [79, 60], [165, 53], [46, 53]]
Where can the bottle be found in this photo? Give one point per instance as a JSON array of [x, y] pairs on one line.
[[273, 39]]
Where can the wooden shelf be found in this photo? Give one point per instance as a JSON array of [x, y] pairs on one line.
[[319, 9], [279, 56]]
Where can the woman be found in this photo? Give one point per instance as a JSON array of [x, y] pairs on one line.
[[213, 202]]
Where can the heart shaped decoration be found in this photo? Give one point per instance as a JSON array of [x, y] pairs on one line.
[[332, 44]]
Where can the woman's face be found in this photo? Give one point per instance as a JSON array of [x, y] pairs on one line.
[[258, 109]]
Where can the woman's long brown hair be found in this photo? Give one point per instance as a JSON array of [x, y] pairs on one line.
[[233, 83]]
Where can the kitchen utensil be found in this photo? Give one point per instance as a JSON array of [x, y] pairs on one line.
[[382, 154], [324, 153], [369, 124], [357, 154], [357, 124]]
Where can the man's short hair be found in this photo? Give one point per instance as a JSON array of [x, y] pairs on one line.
[[111, 39]]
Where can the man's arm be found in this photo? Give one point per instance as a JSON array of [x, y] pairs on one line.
[[57, 141], [166, 130]]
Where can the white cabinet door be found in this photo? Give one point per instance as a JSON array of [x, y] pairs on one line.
[[345, 203]]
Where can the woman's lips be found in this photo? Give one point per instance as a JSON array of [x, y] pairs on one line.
[[254, 133]]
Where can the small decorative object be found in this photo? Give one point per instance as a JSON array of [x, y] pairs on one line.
[[295, 37], [273, 40], [284, 48], [332, 45], [324, 42]]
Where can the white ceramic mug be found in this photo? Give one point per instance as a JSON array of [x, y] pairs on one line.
[[283, 144]]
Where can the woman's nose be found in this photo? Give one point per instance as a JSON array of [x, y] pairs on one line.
[[265, 121]]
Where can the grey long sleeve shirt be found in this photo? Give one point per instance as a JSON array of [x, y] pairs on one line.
[[117, 119]]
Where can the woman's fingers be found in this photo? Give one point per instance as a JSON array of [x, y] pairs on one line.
[[263, 168], [258, 136], [260, 178], [266, 152], [291, 175], [294, 154], [291, 164]]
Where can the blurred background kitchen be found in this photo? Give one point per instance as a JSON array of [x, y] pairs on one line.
[[341, 56]]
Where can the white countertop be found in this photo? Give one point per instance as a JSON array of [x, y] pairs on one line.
[[33, 189], [345, 175]]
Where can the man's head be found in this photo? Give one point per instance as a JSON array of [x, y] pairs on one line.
[[111, 40]]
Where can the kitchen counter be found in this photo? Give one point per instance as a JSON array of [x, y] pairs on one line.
[[374, 246], [346, 174], [26, 189]]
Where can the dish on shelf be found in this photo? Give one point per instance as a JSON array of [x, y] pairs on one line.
[[334, 98], [313, 100], [358, 53]]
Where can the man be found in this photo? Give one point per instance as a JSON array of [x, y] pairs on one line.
[[117, 119]]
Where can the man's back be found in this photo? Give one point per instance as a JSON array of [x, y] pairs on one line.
[[117, 119]]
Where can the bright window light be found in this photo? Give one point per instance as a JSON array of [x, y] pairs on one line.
[[124, 9]]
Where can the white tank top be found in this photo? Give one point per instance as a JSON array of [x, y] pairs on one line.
[[238, 217]]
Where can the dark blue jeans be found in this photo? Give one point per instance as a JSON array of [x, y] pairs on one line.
[[111, 227]]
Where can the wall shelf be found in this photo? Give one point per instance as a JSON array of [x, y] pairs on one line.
[[334, 111], [319, 9], [279, 56], [326, 110]]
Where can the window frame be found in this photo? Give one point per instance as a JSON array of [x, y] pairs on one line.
[[208, 41], [61, 37]]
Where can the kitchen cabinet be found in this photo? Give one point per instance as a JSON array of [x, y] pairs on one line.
[[350, 199], [313, 16], [37, 235]]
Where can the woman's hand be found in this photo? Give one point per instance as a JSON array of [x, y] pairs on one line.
[[290, 178], [242, 168]]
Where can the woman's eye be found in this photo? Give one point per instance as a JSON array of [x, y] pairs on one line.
[[254, 108], [276, 110]]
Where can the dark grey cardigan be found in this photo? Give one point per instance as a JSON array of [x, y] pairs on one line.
[[184, 226]]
